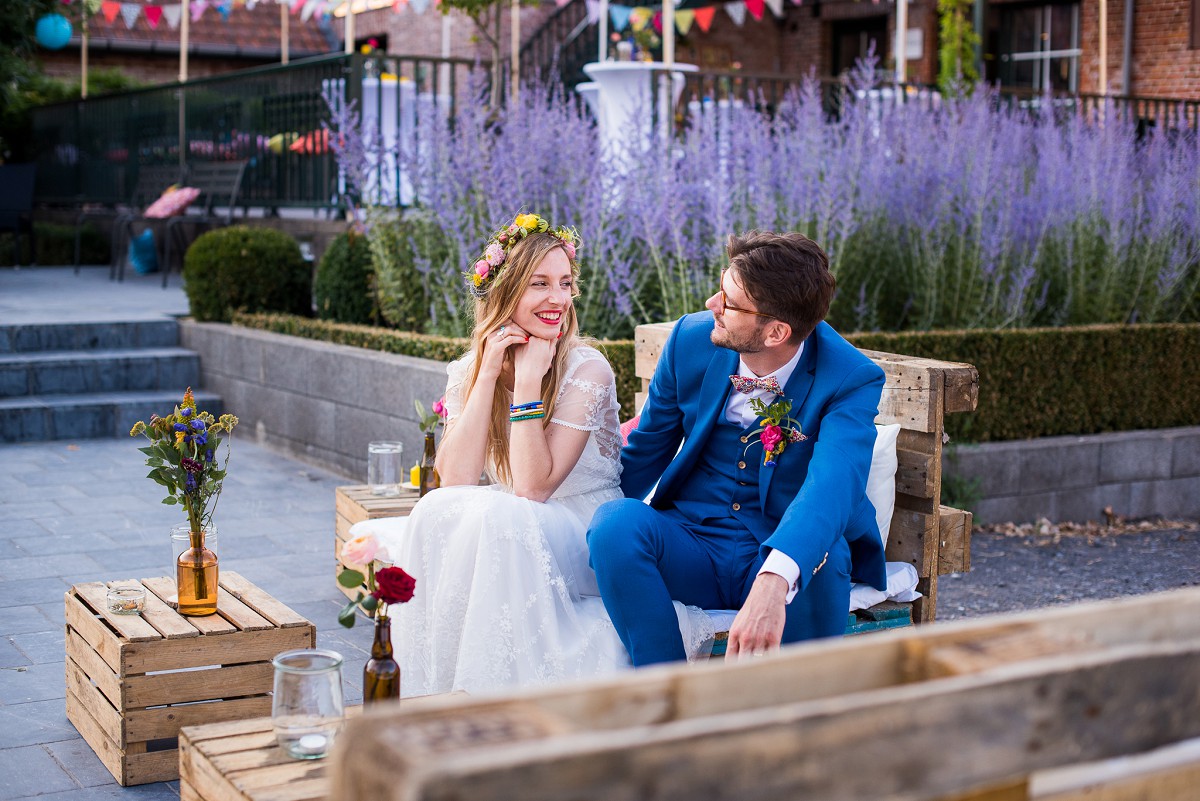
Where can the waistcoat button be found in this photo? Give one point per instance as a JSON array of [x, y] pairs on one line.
[[745, 440], [737, 506], [741, 465]]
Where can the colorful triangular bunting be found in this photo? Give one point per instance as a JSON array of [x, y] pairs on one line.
[[776, 7], [736, 12], [419, 6], [173, 13], [704, 17], [130, 13], [756, 9], [110, 9], [593, 11], [683, 21], [640, 18], [153, 15], [198, 9], [620, 16]]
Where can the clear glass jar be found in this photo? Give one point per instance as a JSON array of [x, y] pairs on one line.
[[307, 707]]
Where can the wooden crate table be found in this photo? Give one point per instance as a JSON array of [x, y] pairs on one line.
[[133, 681], [241, 761], [356, 504]]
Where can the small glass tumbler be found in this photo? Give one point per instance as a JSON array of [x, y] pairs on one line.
[[307, 707], [384, 467], [126, 599], [181, 540]]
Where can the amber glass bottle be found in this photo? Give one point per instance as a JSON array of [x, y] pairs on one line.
[[196, 578], [429, 476], [381, 674]]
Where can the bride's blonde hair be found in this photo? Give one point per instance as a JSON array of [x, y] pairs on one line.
[[499, 305]]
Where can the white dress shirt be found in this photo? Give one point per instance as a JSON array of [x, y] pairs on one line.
[[739, 413]]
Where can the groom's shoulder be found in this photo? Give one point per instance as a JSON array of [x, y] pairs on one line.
[[695, 326], [833, 348]]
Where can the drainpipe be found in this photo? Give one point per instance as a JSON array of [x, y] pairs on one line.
[[1127, 51]]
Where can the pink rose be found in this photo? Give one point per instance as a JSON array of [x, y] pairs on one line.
[[482, 268], [771, 436], [494, 254], [360, 552], [439, 407], [570, 248]]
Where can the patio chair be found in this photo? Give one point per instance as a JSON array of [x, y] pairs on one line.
[[219, 183], [16, 206], [152, 180]]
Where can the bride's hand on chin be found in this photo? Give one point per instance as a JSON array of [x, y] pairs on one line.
[[496, 349], [532, 360]]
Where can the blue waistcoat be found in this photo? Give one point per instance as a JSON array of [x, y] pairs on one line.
[[724, 481]]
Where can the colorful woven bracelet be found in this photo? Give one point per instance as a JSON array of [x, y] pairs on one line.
[[537, 404], [526, 416]]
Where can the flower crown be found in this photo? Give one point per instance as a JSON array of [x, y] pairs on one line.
[[487, 268]]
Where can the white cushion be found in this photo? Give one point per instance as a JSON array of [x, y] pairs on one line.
[[881, 480]]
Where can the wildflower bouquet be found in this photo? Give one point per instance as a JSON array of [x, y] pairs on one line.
[[181, 457]]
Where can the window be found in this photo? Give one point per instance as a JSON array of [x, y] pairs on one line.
[[1037, 47]]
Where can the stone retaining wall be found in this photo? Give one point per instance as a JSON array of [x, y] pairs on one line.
[[1137, 473], [314, 401], [323, 403]]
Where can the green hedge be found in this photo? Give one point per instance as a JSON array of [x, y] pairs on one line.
[[1040, 382], [1033, 382]]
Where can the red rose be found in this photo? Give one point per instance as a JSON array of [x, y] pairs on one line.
[[394, 586]]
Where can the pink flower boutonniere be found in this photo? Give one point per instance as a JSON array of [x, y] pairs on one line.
[[778, 429]]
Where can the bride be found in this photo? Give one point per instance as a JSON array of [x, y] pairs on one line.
[[505, 595]]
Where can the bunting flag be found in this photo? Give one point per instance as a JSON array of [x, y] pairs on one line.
[[198, 9], [639, 18], [683, 21], [756, 9], [130, 13], [296, 5], [419, 6], [399, 5], [223, 8], [110, 10], [593, 11], [153, 15], [656, 22], [704, 17], [310, 8], [619, 16], [736, 12], [776, 7], [561, 3], [173, 13]]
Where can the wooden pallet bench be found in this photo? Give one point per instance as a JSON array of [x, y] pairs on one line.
[[984, 709], [132, 681], [917, 394]]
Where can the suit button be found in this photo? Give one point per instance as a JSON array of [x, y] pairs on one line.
[[745, 440], [741, 465], [737, 506], [741, 483]]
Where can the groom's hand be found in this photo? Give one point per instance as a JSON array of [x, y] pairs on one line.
[[758, 627]]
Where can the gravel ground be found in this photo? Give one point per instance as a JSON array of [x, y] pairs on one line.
[[1027, 567]]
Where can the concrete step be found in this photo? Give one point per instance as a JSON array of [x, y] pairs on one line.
[[31, 337], [36, 418], [78, 371]]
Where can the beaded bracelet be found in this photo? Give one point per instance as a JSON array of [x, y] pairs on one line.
[[537, 404], [527, 416]]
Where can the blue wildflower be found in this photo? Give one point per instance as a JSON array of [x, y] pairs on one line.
[[186, 411], [181, 427], [208, 455], [201, 439], [198, 424]]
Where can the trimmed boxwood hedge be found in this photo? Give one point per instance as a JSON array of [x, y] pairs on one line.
[[1033, 382]]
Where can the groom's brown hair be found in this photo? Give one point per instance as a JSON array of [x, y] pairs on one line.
[[787, 276]]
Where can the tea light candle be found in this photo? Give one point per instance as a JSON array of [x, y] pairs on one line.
[[312, 744]]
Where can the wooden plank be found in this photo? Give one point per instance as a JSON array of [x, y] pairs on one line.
[[159, 722], [130, 628], [912, 538], [106, 679], [161, 615], [1028, 716], [925, 607], [919, 411], [240, 615], [916, 473], [261, 602], [83, 621], [108, 752], [199, 685], [98, 706], [1164, 774], [228, 649], [1014, 790], [164, 588], [152, 766], [356, 503], [954, 544]]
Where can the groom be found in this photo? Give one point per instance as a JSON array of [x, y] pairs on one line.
[[780, 542]]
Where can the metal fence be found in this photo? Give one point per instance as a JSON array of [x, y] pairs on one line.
[[271, 117]]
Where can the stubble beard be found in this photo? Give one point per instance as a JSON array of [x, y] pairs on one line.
[[748, 343]]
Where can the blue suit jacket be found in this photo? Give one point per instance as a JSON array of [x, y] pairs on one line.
[[817, 490]]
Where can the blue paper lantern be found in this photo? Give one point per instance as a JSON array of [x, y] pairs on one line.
[[53, 31]]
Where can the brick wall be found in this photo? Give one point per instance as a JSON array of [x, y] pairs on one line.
[[421, 34], [148, 68]]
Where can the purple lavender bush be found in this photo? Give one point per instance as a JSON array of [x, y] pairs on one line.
[[947, 213]]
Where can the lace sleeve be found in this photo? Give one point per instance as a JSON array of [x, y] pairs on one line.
[[587, 399], [457, 371]]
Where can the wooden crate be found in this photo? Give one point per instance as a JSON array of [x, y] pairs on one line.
[[356, 504], [133, 681], [241, 761]]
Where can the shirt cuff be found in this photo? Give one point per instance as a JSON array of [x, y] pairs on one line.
[[782, 565]]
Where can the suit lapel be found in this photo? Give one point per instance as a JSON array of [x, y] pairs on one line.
[[714, 393], [796, 390]]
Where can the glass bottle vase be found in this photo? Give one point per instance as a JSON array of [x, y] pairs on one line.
[[196, 577], [381, 673], [429, 476]]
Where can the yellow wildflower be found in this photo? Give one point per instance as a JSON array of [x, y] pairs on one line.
[[138, 428], [178, 438], [527, 221]]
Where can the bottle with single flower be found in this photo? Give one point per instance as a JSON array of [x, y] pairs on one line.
[[429, 422]]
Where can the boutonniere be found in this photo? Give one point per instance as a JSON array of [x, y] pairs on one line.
[[777, 430]]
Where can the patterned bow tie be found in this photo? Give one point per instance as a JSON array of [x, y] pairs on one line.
[[749, 385]]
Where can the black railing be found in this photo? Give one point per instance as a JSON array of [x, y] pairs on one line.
[[564, 44], [272, 117]]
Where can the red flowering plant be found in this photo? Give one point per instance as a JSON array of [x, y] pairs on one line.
[[385, 586], [777, 429]]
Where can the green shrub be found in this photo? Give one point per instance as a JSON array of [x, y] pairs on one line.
[[254, 269], [344, 286], [56, 245]]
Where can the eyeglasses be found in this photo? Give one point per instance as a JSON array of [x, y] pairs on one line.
[[727, 306]]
